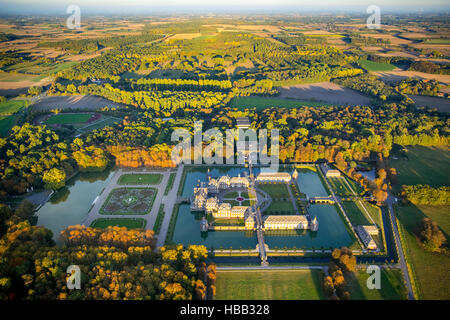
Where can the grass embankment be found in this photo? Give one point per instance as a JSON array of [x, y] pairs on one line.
[[170, 183], [269, 284], [159, 219]]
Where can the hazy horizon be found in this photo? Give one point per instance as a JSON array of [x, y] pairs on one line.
[[52, 7]]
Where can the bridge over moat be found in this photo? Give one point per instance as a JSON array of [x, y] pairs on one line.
[[258, 218]]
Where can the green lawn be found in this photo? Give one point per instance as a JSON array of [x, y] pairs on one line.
[[283, 207], [231, 195], [424, 165], [269, 284], [340, 187], [232, 202], [103, 223], [68, 118], [136, 179], [431, 269], [355, 214], [261, 103], [276, 190], [376, 66], [392, 287]]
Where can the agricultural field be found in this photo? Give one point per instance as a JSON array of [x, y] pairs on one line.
[[68, 118], [11, 106], [376, 66], [268, 284], [8, 114], [430, 269], [325, 93], [129, 201], [422, 165], [261, 103], [74, 102], [119, 222], [392, 287], [136, 179]]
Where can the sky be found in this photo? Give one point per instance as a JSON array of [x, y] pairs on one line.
[[122, 6]]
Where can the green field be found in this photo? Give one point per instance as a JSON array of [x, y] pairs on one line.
[[103, 223], [8, 114], [376, 66], [431, 269], [261, 103], [423, 165], [392, 287], [43, 69], [269, 284], [11, 106], [437, 41], [68, 118], [6, 124], [104, 121], [136, 179]]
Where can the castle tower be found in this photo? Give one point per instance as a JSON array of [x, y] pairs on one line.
[[295, 174], [314, 224]]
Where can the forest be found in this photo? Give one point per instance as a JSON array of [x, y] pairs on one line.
[[121, 263]]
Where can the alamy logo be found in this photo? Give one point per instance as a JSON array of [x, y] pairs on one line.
[[74, 280], [74, 20], [374, 280], [374, 20]]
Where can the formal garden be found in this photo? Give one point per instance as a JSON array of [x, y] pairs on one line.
[[129, 201]]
